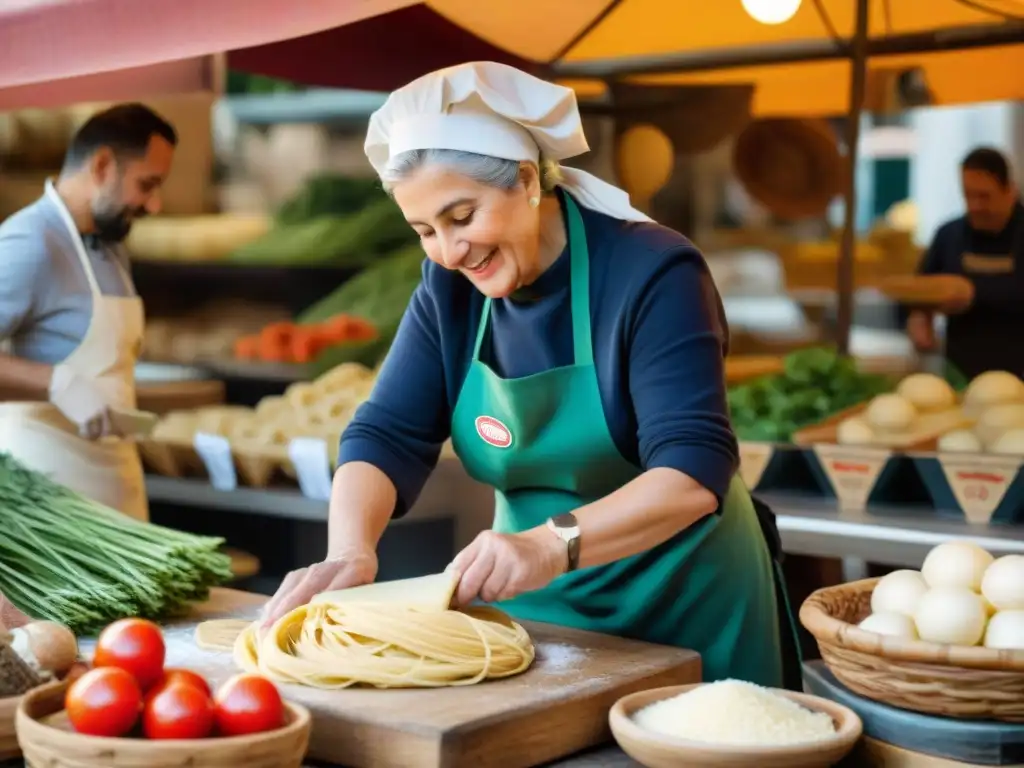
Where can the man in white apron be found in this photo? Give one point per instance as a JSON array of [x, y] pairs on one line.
[[69, 313]]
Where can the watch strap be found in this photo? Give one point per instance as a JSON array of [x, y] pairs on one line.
[[566, 527]]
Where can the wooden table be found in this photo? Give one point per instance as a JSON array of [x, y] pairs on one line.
[[607, 757], [555, 709]]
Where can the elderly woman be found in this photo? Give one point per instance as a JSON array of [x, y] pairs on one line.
[[573, 350]]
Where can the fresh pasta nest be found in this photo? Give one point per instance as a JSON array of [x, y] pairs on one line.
[[383, 645]]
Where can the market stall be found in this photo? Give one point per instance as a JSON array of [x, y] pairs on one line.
[[857, 463]]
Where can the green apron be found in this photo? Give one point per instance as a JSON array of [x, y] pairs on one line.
[[542, 443]]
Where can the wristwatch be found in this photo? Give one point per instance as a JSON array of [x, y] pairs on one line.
[[566, 528]]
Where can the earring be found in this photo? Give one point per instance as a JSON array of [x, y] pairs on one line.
[[534, 202]]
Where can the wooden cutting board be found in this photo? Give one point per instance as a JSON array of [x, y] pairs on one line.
[[558, 707]]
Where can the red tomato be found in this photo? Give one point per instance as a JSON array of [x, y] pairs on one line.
[[248, 704], [104, 702], [134, 645], [178, 711], [187, 676]]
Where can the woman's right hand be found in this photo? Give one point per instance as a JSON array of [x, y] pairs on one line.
[[351, 569]]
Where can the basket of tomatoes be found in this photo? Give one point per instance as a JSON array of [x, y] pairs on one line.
[[130, 710]]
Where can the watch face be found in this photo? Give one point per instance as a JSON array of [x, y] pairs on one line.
[[566, 520]]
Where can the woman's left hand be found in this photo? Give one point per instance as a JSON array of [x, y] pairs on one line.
[[499, 566]]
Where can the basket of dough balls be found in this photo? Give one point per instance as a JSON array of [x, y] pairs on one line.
[[945, 640]]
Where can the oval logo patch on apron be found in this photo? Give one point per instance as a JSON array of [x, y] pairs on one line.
[[493, 432]]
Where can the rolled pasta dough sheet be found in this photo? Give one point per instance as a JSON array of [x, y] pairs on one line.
[[426, 593], [434, 592], [220, 634]]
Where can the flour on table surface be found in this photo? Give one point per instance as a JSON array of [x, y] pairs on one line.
[[559, 657]]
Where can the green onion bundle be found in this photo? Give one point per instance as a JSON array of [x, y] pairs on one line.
[[71, 560]]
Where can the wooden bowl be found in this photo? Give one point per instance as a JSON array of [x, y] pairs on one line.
[[8, 735], [656, 750], [47, 740], [947, 680]]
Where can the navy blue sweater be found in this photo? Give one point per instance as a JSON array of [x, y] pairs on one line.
[[659, 336]]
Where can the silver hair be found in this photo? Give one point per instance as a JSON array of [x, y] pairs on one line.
[[484, 169]]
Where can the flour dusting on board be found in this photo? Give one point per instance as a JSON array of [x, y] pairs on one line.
[[564, 666], [559, 656]]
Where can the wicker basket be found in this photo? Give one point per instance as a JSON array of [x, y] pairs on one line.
[[179, 459], [948, 680], [8, 736], [47, 740]]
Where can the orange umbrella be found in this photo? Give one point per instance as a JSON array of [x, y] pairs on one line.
[[965, 50], [795, 66]]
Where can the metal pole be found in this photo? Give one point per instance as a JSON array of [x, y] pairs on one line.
[[848, 243]]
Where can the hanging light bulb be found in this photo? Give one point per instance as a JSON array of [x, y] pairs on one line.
[[771, 11]]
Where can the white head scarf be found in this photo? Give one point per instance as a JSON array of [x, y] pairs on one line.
[[496, 110]]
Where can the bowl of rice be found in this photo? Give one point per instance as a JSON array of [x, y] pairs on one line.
[[735, 724]]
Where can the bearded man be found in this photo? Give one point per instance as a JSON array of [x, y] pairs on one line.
[[70, 318]]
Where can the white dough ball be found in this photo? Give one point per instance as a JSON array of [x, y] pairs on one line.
[[854, 431], [1006, 631], [960, 441], [927, 392], [991, 388], [993, 422], [1010, 443], [956, 564], [1003, 583], [890, 413], [898, 592], [951, 615], [893, 624]]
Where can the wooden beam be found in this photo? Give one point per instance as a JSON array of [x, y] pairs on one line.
[[932, 41]]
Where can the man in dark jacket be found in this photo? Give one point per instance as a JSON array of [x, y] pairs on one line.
[[987, 247]]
